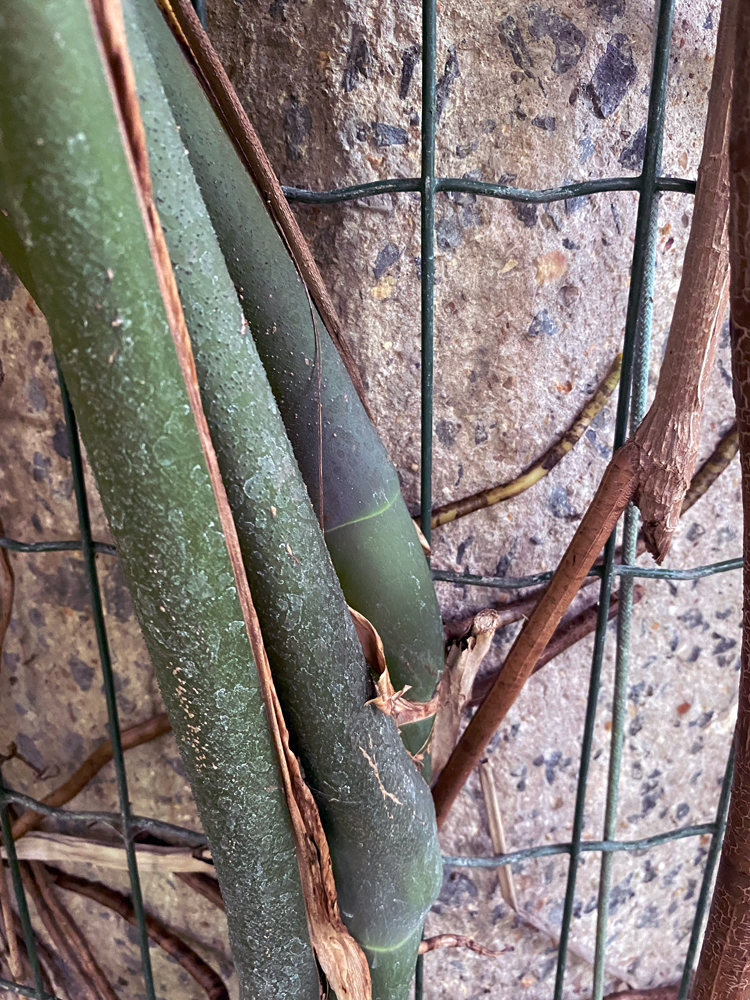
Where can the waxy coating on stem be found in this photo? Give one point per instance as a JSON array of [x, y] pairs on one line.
[[368, 530], [67, 188], [376, 810]]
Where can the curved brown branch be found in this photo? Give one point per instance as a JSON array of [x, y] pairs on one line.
[[144, 732], [459, 941], [539, 469], [614, 493], [69, 942], [209, 980]]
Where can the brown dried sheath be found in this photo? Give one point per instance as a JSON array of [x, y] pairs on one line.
[[723, 971]]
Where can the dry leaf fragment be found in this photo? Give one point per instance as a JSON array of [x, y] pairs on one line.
[[461, 666], [388, 700]]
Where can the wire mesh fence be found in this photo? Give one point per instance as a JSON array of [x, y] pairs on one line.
[[630, 410]]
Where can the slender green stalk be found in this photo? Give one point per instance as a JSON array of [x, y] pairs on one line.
[[368, 531], [67, 189], [376, 810]]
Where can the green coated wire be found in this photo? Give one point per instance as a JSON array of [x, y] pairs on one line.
[[118, 756], [487, 189], [427, 257], [585, 846], [21, 902], [625, 608], [708, 875]]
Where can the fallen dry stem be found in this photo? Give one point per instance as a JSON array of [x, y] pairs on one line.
[[539, 469], [185, 24], [159, 932], [459, 941], [495, 823], [65, 936], [144, 732]]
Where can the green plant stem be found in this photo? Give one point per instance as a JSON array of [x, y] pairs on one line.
[[67, 189]]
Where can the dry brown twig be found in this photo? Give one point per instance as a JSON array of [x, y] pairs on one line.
[[654, 468], [144, 732], [158, 931], [542, 466], [69, 943]]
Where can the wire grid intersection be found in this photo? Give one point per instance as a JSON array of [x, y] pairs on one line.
[[631, 403]]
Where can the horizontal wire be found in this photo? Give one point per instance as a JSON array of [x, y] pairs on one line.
[[506, 192], [61, 546], [193, 838], [25, 991], [642, 572], [610, 846]]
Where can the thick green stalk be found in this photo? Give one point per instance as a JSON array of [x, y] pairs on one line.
[[368, 531], [67, 191], [376, 810]]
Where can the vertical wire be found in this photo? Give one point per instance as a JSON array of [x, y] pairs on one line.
[[427, 210], [624, 617], [21, 902], [708, 876], [640, 292], [118, 758]]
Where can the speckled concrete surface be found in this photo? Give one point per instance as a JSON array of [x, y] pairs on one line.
[[530, 308]]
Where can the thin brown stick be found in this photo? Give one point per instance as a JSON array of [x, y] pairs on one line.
[[7, 589], [539, 469], [459, 941], [14, 955], [613, 495], [48, 959], [58, 925], [564, 637], [209, 980], [207, 886], [144, 732], [224, 98], [70, 929]]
